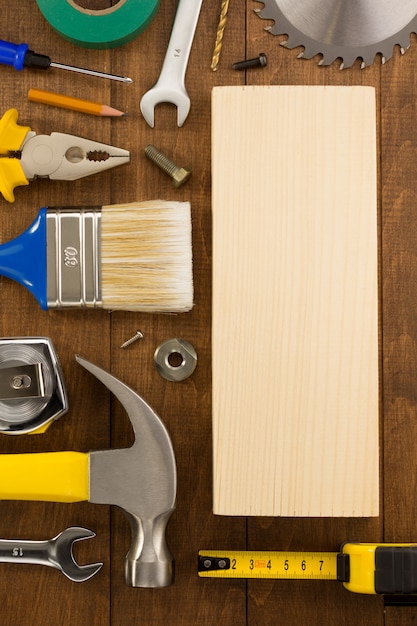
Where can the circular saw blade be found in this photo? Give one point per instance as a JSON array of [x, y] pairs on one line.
[[342, 29]]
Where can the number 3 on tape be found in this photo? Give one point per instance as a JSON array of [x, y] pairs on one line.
[[367, 568]]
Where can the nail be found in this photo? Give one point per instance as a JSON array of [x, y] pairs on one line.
[[260, 61]]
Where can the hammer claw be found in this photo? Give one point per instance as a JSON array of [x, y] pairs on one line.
[[141, 480]]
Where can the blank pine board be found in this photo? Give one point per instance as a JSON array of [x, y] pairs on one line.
[[295, 301]]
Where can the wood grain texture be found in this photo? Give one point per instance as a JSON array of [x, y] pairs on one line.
[[295, 325]]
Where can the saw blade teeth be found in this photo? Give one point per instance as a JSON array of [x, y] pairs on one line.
[[404, 49], [349, 59], [326, 59], [369, 58], [332, 48], [264, 14], [274, 30], [284, 43], [295, 42]]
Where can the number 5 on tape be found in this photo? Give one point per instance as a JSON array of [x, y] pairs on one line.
[[367, 568]]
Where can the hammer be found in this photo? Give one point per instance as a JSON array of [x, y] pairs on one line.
[[141, 480]]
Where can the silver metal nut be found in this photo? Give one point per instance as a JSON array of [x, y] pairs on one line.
[[165, 356]]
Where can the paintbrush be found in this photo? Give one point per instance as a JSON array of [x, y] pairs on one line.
[[133, 257]]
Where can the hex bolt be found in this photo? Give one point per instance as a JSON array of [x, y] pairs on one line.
[[260, 61], [178, 174]]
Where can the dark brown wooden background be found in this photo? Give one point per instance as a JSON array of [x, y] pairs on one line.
[[42, 596]]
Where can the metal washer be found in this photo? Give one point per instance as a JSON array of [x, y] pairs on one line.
[[179, 372]]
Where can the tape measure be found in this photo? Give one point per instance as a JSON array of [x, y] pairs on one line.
[[295, 565], [366, 568], [32, 389]]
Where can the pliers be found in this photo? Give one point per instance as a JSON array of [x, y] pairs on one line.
[[24, 155]]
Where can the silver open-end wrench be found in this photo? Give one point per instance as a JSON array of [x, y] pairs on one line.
[[56, 552], [170, 86]]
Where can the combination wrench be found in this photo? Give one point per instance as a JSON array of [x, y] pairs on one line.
[[170, 86], [56, 552]]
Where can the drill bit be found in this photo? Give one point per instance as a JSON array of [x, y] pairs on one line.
[[219, 35]]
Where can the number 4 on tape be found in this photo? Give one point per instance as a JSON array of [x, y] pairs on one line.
[[367, 568]]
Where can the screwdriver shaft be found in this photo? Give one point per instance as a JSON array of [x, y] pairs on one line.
[[82, 70]]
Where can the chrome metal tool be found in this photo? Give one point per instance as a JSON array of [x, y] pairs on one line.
[[32, 389], [56, 552], [141, 480], [19, 56], [342, 29], [170, 86], [24, 155]]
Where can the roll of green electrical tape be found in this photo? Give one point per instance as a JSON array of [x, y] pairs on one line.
[[107, 28]]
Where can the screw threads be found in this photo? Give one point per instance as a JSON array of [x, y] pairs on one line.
[[178, 174], [138, 335], [161, 160], [259, 61]]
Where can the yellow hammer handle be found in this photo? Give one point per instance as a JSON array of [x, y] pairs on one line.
[[47, 476]]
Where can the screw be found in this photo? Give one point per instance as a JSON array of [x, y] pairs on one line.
[[179, 175], [138, 335], [260, 61], [21, 382]]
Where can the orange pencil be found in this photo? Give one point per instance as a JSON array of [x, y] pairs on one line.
[[73, 104]]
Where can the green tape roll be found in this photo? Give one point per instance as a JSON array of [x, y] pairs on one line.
[[99, 29]]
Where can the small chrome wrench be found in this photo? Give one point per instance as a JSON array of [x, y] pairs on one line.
[[170, 86], [56, 552]]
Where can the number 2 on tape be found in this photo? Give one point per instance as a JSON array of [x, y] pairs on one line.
[[296, 565]]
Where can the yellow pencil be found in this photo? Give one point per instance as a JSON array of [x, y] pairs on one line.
[[73, 104]]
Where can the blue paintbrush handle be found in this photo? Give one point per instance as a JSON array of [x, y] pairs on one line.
[[24, 259]]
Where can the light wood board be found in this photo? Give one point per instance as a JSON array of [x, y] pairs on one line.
[[295, 301]]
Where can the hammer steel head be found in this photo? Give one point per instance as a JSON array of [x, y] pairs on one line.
[[142, 481]]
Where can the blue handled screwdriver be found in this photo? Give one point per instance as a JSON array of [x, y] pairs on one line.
[[19, 56]]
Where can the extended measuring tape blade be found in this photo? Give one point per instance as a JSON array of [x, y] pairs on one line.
[[368, 568], [285, 565]]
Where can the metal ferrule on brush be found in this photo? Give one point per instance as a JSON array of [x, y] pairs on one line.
[[73, 257]]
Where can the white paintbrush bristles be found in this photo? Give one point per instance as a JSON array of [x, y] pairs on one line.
[[146, 257]]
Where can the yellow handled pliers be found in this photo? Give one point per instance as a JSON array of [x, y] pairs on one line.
[[24, 155]]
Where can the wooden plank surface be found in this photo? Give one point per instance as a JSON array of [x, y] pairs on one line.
[[42, 596], [295, 301]]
